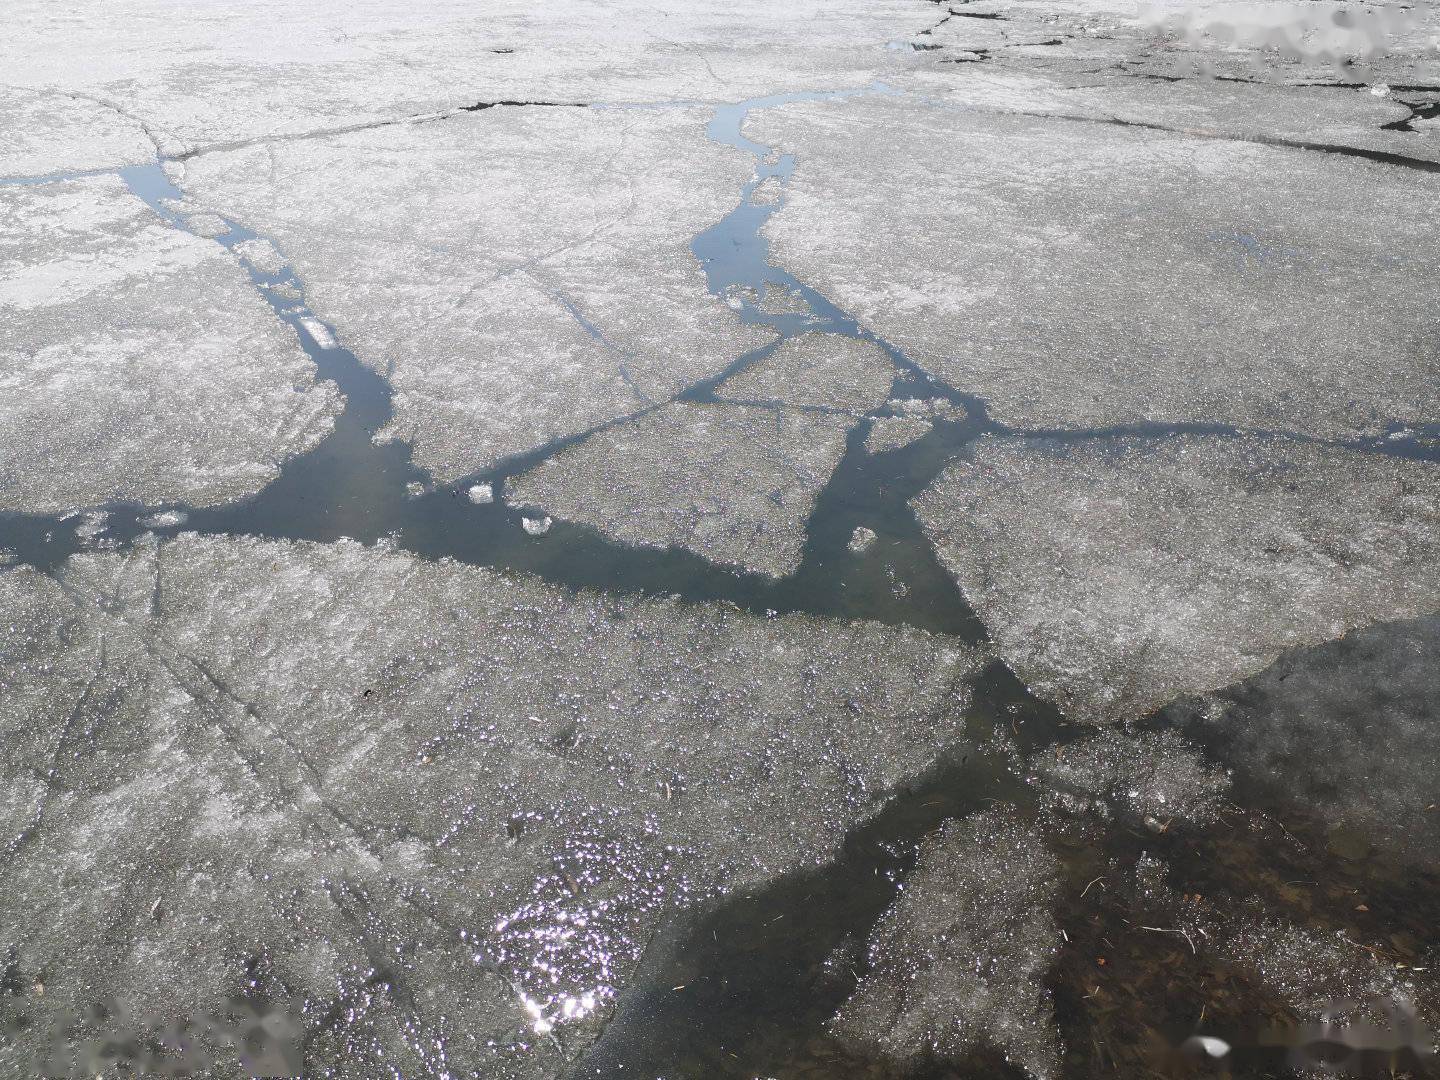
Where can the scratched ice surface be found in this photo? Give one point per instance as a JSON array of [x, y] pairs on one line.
[[1117, 575], [436, 812], [1087, 275], [519, 274], [958, 961], [137, 363]]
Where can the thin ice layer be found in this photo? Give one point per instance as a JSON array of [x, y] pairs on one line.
[[520, 274], [1348, 731], [733, 483], [958, 961], [829, 371], [137, 362], [1081, 275], [434, 813], [1118, 575], [43, 133]]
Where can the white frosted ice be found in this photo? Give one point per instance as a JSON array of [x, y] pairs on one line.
[[519, 274], [136, 361], [733, 483], [1081, 275], [344, 765], [958, 961], [536, 526], [861, 540], [1117, 575], [42, 132], [246, 69], [480, 494]]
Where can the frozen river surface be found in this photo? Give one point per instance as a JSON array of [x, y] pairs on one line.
[[884, 539]]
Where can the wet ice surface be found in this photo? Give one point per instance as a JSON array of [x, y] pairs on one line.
[[958, 961], [137, 364], [1068, 273], [435, 811], [1117, 575], [520, 275], [464, 822]]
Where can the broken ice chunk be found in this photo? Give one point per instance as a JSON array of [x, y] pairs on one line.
[[1157, 777], [137, 363], [959, 959], [207, 225], [894, 432], [732, 483], [165, 519], [818, 369], [262, 255], [1011, 264], [536, 526], [468, 760], [1116, 575], [481, 494], [324, 339], [515, 280], [48, 132], [861, 540]]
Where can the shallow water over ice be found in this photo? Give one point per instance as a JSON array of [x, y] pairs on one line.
[[747, 990]]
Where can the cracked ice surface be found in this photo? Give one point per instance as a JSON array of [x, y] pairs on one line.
[[821, 370], [245, 69], [42, 133], [520, 275], [1346, 730], [433, 810], [958, 960], [1071, 273], [1117, 576], [732, 483], [1343, 118], [137, 363]]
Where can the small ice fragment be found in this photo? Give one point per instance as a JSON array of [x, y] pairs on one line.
[[165, 519], [262, 255], [93, 525], [861, 540], [1215, 1048], [320, 332], [414, 489], [1381, 89], [536, 526], [287, 290], [207, 225], [481, 494]]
